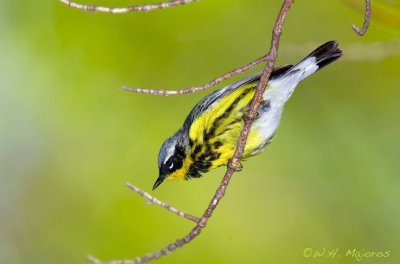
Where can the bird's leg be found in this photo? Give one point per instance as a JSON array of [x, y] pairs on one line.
[[255, 117], [239, 167]]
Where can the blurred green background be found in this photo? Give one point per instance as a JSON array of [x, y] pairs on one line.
[[70, 137]]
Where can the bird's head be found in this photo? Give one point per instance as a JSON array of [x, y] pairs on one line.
[[173, 158]]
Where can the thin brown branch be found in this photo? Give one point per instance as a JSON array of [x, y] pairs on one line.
[[367, 20], [220, 192], [133, 8], [199, 87], [155, 201]]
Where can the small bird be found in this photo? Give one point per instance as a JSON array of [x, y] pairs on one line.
[[209, 134]]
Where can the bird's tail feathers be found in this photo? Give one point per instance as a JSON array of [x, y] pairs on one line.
[[289, 76], [319, 58]]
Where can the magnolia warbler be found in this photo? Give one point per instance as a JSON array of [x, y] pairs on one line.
[[209, 134]]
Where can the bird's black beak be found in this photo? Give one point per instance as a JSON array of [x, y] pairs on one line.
[[160, 179]]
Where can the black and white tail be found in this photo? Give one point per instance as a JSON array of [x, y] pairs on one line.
[[284, 83], [319, 58]]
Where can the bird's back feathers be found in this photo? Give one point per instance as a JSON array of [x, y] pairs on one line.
[[315, 61]]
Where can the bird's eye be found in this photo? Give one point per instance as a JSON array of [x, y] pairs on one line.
[[169, 164]]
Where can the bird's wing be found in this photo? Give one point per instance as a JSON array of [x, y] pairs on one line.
[[212, 99], [222, 110]]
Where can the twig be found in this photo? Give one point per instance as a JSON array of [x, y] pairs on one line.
[[155, 201], [193, 89], [367, 20], [199, 87], [93, 260], [220, 192], [133, 8]]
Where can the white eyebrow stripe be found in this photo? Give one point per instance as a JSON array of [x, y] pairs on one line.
[[170, 152]]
